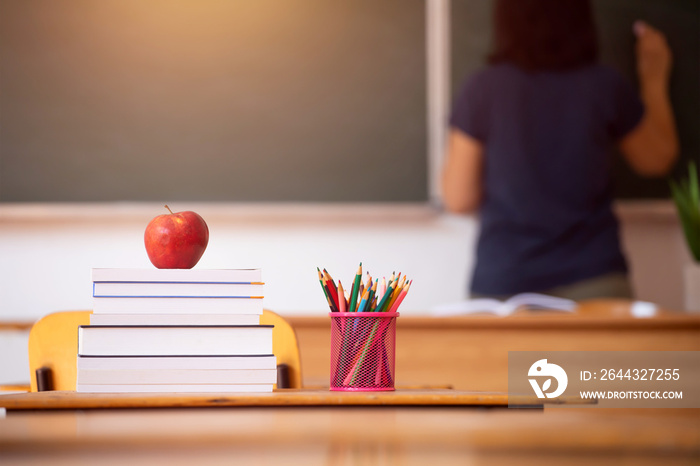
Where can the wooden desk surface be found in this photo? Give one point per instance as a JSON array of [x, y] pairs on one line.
[[347, 435]]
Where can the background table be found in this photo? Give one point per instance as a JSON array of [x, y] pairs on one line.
[[471, 353]]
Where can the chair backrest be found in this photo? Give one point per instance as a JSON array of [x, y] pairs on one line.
[[53, 344], [284, 346]]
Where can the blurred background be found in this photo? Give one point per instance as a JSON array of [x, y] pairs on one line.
[[307, 133]]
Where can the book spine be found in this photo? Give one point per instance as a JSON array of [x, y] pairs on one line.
[[176, 388], [174, 319], [176, 376], [176, 289], [177, 275], [177, 362], [174, 340], [169, 305]]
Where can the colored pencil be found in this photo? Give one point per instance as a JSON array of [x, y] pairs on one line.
[[382, 289], [396, 293], [325, 290], [332, 289], [403, 294], [330, 280], [386, 298], [355, 289], [370, 298], [343, 304], [363, 301]]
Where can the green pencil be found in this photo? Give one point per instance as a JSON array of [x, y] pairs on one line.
[[386, 298], [355, 290]]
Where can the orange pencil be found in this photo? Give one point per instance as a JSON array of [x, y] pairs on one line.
[[402, 295], [402, 282], [342, 306], [395, 294]]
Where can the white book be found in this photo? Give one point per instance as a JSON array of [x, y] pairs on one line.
[[177, 289], [152, 305], [174, 319], [177, 388], [533, 301], [177, 275], [174, 340], [267, 361], [176, 376]]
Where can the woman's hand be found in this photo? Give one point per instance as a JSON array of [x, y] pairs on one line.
[[654, 57], [652, 147]]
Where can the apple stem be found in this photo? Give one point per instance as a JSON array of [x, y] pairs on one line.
[[166, 206]]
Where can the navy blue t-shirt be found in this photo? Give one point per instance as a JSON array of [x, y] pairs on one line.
[[546, 216]]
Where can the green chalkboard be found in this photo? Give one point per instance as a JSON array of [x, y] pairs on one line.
[[212, 100], [678, 19]]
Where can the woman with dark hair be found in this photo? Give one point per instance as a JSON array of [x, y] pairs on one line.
[[528, 149]]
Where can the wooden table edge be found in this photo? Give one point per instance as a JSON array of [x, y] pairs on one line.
[[279, 398]]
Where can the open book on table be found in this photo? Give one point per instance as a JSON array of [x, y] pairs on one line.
[[532, 301]]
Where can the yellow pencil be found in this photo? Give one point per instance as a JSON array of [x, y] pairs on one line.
[[395, 295]]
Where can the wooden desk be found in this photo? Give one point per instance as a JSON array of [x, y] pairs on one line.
[[471, 353], [54, 400], [347, 435]]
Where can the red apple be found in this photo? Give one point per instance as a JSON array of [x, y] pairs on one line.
[[176, 240]]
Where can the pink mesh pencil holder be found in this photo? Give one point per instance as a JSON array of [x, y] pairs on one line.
[[363, 346]]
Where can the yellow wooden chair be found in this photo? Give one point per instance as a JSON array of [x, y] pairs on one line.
[[53, 344]]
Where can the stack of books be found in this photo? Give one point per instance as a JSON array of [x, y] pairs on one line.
[[176, 330]]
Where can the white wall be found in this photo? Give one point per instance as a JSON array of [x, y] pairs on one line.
[[656, 250], [46, 252], [46, 259]]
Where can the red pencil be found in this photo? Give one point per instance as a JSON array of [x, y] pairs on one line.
[[332, 289], [402, 295]]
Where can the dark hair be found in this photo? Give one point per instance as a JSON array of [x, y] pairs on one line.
[[544, 34]]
